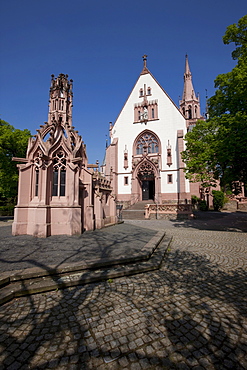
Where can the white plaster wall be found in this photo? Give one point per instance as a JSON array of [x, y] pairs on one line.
[[187, 186], [169, 188], [125, 189], [170, 120]]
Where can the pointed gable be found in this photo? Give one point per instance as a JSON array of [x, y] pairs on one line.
[[146, 91]]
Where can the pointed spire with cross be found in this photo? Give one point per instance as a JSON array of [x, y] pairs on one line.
[[190, 103], [145, 60], [145, 70]]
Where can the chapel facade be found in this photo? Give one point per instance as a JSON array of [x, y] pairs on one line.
[[59, 192], [143, 160]]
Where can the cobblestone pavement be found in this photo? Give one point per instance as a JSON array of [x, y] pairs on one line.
[[110, 243], [192, 313]]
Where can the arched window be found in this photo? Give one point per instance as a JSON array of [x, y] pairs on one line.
[[36, 193], [147, 143], [59, 174], [39, 163], [189, 112]]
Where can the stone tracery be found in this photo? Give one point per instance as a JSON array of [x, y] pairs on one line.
[[147, 143], [145, 169]]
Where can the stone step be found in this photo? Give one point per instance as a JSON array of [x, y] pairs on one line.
[[133, 214], [136, 211], [35, 280], [140, 205]]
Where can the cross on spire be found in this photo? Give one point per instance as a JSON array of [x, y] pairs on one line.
[[145, 70], [145, 60]]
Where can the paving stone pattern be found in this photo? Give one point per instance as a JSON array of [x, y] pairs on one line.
[[25, 251], [190, 314]]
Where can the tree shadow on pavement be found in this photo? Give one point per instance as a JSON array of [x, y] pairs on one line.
[[25, 251], [50, 329], [201, 314], [218, 221], [189, 313]]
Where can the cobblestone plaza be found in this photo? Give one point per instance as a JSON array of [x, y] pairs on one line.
[[192, 313]]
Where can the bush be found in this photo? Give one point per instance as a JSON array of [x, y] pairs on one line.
[[194, 199], [203, 205], [7, 210], [218, 199]]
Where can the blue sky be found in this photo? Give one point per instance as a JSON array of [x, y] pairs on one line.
[[100, 44]]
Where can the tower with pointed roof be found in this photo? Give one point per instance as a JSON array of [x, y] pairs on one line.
[[189, 105], [60, 103]]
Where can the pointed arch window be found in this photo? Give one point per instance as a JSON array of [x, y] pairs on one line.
[[59, 174], [147, 143], [36, 192], [39, 163], [189, 112]]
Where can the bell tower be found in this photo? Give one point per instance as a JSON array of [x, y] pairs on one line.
[[190, 104], [60, 102]]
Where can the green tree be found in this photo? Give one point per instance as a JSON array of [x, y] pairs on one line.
[[199, 156], [13, 143], [217, 148], [237, 33]]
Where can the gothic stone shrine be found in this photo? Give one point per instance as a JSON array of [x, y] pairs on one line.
[[59, 192]]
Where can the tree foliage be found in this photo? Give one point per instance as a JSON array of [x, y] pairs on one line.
[[199, 156], [218, 199], [217, 148], [13, 143], [237, 33]]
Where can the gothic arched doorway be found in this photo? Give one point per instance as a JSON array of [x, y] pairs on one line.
[[145, 166], [147, 181]]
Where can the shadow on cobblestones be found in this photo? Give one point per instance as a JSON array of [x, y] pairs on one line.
[[25, 251], [221, 221], [38, 328], [203, 318], [190, 313]]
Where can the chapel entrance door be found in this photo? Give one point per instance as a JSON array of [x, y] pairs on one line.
[[146, 179], [147, 189]]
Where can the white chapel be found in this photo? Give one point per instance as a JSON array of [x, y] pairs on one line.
[[143, 160]]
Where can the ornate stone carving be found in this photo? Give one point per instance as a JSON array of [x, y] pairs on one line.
[[147, 143], [166, 209]]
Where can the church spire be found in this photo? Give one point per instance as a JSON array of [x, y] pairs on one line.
[[188, 92], [190, 103]]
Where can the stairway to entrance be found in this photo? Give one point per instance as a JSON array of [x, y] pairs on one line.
[[136, 211]]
